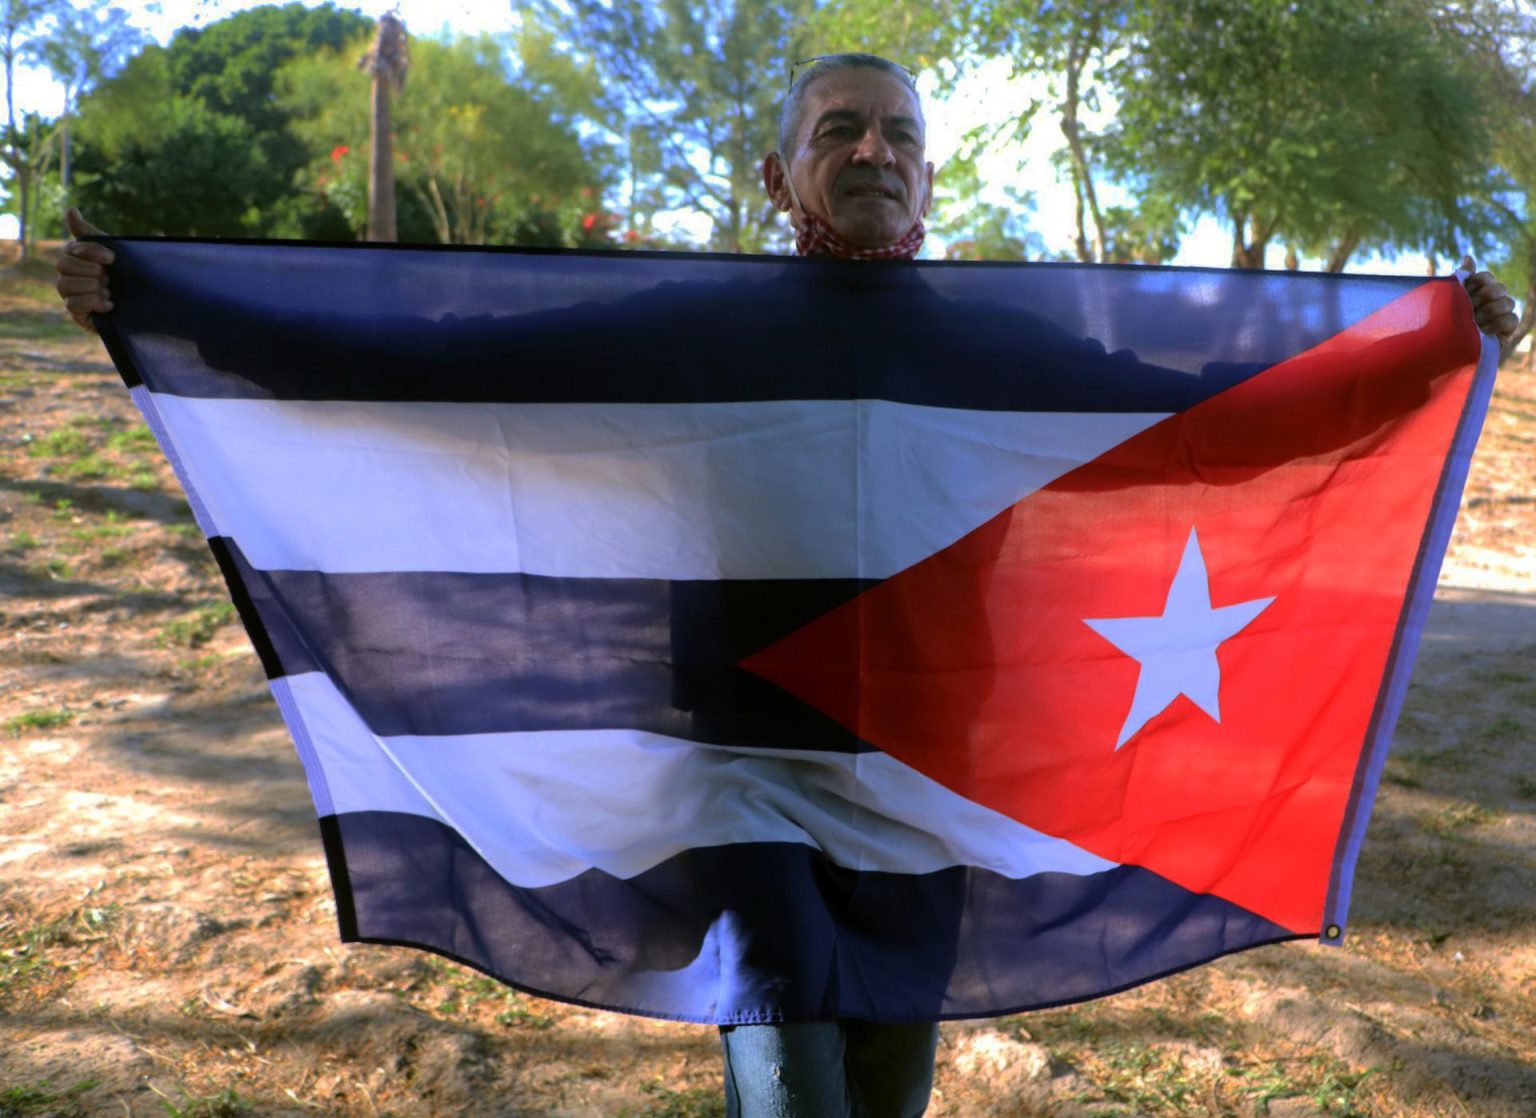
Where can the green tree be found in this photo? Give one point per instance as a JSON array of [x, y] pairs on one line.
[[191, 139], [1331, 125], [83, 43], [1140, 235], [31, 153], [18, 20], [690, 96], [485, 155], [974, 230], [1501, 34], [1070, 45]]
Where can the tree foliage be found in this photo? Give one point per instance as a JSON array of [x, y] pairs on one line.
[[1501, 36], [20, 153], [85, 43], [31, 150], [190, 138], [690, 96], [479, 156], [1332, 125], [1072, 46], [974, 230]]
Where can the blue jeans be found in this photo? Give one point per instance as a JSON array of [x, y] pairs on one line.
[[830, 1069]]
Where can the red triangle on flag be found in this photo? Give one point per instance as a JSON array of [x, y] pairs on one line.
[[1310, 483]]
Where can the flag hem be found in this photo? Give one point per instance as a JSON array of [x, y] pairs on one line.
[[1432, 547], [758, 258]]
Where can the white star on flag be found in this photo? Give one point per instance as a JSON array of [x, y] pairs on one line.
[[1177, 650]]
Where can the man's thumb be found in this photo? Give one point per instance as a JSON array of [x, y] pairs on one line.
[[75, 222]]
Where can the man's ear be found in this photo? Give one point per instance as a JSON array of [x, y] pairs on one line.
[[927, 191], [775, 181]]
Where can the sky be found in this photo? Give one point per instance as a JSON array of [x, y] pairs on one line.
[[988, 94]]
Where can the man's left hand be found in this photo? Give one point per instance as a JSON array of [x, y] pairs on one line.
[[1492, 306]]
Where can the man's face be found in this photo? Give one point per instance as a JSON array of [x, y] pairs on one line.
[[857, 157]]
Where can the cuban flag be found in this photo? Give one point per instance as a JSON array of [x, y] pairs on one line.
[[737, 639]]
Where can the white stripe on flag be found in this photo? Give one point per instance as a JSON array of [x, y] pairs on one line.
[[543, 807], [774, 489]]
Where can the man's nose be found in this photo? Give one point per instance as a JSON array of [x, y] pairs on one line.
[[874, 150]]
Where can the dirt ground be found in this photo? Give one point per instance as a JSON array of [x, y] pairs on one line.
[[168, 940]]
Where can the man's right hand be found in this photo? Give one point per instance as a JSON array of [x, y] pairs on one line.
[[83, 272]]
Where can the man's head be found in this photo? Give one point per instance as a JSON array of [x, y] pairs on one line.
[[851, 137]]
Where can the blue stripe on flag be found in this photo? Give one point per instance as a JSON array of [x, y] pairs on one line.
[[438, 653], [719, 933], [661, 329]]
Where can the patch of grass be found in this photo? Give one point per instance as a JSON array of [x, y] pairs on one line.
[[1503, 676], [518, 1015], [24, 950], [38, 720], [198, 629], [466, 991], [1504, 728], [56, 569], [1400, 772], [37, 327], [23, 541], [113, 556], [134, 440], [1411, 767], [59, 443], [1450, 821], [200, 663], [1336, 1092], [1145, 1080], [1324, 1081], [64, 509], [224, 1104], [88, 467], [695, 1102], [26, 1099], [109, 527]]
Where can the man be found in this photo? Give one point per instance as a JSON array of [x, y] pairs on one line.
[[852, 174]]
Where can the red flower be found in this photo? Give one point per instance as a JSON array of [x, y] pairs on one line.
[[338, 151], [589, 222]]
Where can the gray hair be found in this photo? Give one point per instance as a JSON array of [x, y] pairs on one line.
[[794, 102]]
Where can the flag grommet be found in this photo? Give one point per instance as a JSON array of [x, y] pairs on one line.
[[1332, 931]]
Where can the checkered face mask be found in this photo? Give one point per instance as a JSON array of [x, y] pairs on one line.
[[815, 237]]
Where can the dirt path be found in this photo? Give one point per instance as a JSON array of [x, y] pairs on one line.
[[167, 936]]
